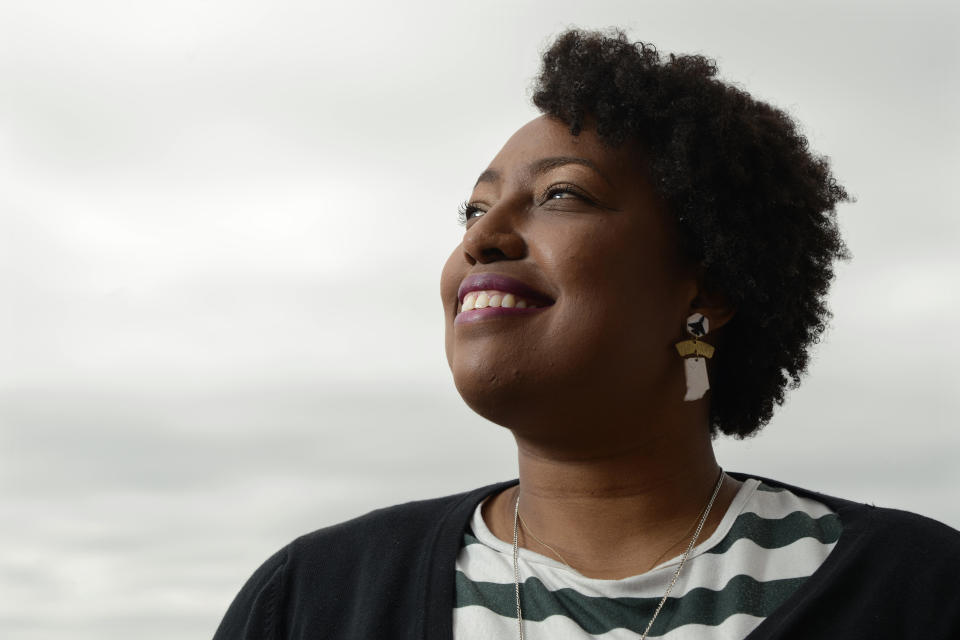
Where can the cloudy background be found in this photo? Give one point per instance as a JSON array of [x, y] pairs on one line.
[[221, 231]]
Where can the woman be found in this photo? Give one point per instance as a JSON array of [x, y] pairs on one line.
[[643, 268]]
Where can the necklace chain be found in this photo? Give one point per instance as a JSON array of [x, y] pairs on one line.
[[534, 536], [676, 575]]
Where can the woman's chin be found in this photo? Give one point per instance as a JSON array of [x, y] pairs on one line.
[[503, 400]]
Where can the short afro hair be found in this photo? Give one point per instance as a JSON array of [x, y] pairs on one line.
[[755, 208]]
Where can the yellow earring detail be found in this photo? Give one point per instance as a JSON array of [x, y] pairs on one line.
[[694, 353]]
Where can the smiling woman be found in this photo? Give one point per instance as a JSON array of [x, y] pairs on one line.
[[569, 217], [643, 268]]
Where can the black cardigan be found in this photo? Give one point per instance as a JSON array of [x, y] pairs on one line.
[[390, 574]]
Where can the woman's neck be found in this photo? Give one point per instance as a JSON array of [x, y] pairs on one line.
[[613, 514]]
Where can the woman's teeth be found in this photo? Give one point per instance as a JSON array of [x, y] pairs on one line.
[[484, 299]]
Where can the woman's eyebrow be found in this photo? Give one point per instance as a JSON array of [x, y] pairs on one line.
[[543, 165], [490, 175]]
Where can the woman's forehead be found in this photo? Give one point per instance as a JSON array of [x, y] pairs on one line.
[[545, 141], [548, 135]]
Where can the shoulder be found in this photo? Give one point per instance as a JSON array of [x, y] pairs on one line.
[[885, 562], [385, 530], [385, 554], [915, 539]]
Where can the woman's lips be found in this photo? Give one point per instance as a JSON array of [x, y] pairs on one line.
[[492, 295], [503, 284], [478, 304]]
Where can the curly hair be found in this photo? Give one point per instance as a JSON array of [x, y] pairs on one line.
[[756, 209]]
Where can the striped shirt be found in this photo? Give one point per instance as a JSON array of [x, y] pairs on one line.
[[768, 542]]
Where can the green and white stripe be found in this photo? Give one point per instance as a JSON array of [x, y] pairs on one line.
[[767, 544]]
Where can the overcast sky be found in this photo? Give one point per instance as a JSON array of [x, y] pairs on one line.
[[221, 232]]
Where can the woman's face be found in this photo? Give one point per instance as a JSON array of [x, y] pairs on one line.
[[577, 222]]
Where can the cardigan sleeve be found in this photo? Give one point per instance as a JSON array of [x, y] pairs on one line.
[[254, 613]]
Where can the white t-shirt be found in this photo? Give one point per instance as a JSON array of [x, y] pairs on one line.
[[768, 542]]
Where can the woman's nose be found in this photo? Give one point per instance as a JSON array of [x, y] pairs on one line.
[[494, 236]]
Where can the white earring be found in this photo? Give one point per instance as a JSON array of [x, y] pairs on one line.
[[695, 353]]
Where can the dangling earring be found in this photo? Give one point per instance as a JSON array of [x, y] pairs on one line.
[[694, 355]]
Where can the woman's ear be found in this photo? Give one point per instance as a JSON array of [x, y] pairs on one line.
[[715, 306]]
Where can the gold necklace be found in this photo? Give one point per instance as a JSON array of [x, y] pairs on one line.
[[534, 536], [526, 527], [663, 600]]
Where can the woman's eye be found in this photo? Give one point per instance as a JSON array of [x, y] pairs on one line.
[[468, 211], [564, 192]]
